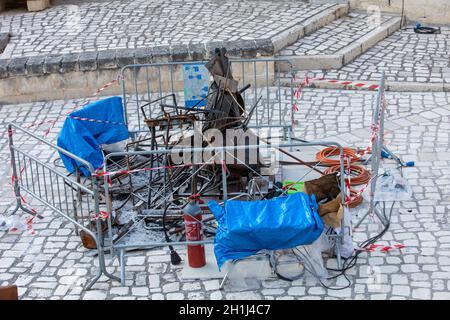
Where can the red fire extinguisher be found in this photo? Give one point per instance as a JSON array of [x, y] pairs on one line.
[[192, 215]]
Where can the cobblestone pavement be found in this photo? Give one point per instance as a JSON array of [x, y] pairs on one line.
[[97, 26], [53, 265], [335, 36], [405, 56]]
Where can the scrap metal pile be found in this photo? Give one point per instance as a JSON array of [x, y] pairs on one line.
[[148, 194], [149, 191]]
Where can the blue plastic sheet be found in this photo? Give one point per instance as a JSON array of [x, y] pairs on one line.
[[83, 138], [246, 227]]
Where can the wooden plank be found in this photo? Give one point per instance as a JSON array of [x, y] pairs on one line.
[[9, 293]]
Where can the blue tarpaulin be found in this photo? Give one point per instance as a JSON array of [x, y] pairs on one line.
[[246, 227], [84, 130]]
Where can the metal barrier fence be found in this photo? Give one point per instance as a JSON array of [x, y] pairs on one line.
[[166, 194], [143, 83], [64, 195], [78, 201]]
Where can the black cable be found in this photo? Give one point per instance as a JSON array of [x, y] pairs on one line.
[[174, 257], [427, 30], [349, 263], [279, 275]]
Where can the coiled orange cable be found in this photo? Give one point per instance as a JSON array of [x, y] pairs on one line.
[[355, 201], [324, 155], [362, 175]]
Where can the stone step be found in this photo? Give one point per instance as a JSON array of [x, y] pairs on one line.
[[339, 42], [309, 26]]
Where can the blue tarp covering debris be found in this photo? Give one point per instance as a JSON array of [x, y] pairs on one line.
[[105, 125], [246, 227]]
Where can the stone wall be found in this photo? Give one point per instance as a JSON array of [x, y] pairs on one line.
[[76, 83]]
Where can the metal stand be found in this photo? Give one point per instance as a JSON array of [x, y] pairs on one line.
[[375, 158]]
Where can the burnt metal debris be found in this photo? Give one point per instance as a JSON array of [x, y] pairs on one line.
[[157, 196]]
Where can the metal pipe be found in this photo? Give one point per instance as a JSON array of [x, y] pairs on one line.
[[225, 148]]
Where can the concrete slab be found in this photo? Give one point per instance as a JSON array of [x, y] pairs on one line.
[[209, 271], [252, 267]]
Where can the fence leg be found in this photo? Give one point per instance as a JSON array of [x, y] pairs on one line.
[[101, 253], [122, 267], [338, 252], [378, 214], [101, 259], [225, 277], [15, 177], [102, 266], [101, 270], [93, 281]]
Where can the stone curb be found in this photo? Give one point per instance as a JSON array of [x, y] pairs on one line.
[[4, 39], [393, 86], [345, 55], [114, 59]]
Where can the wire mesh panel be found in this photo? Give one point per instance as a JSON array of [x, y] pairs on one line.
[[65, 194], [62, 192], [167, 83], [54, 189]]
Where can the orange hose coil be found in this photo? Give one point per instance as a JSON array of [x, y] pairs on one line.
[[362, 175], [356, 201], [324, 155]]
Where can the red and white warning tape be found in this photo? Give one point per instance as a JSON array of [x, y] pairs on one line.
[[306, 82], [382, 248], [102, 215], [349, 199], [357, 84], [97, 120], [53, 122]]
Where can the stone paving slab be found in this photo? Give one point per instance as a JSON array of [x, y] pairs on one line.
[[97, 26], [52, 265], [54, 41], [405, 57]]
